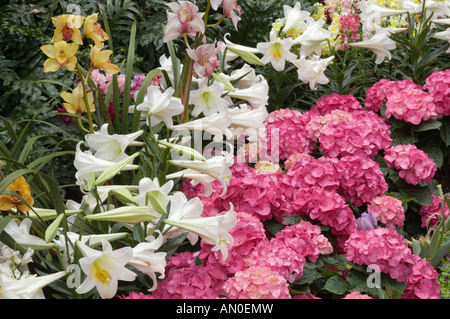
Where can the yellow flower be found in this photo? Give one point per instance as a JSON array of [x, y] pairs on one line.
[[60, 54], [67, 28], [100, 60], [8, 201], [94, 31], [75, 102]]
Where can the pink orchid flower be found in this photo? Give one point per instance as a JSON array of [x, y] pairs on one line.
[[205, 59], [184, 19]]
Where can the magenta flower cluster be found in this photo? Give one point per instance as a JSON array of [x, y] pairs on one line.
[[387, 249]]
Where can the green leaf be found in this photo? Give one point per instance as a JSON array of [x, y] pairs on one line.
[[422, 194], [445, 131], [435, 154], [128, 75], [427, 126], [336, 285]]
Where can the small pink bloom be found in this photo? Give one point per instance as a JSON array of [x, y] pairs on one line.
[[184, 19], [232, 10], [205, 59]]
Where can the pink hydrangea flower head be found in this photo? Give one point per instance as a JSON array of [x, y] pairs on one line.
[[256, 283], [309, 171], [267, 167], [438, 86], [413, 164], [185, 280], [137, 295], [184, 19], [387, 210], [380, 92], [422, 282], [381, 246], [361, 179], [411, 105], [326, 206], [341, 133], [326, 104], [286, 128], [426, 212], [357, 295]]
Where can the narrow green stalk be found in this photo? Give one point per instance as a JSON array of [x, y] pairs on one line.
[[85, 99]]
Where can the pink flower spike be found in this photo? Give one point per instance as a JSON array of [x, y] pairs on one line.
[[204, 58], [184, 19]]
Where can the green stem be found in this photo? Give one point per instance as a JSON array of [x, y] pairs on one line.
[[85, 99]]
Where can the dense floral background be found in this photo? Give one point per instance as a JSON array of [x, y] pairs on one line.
[[225, 149]]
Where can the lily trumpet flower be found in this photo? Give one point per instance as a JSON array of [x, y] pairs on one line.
[[312, 70], [247, 120], [213, 230], [217, 167], [257, 94], [111, 147], [276, 51], [87, 165], [104, 268], [371, 14], [159, 106], [147, 185], [21, 234], [148, 261], [379, 43], [27, 287], [295, 19], [208, 98], [312, 38], [216, 124]]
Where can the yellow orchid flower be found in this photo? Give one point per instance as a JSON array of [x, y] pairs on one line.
[[67, 28], [100, 60], [75, 102], [8, 201], [60, 54], [94, 31]]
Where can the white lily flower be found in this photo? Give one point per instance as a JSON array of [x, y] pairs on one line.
[[196, 178], [441, 21], [160, 192], [111, 147], [159, 106], [213, 230], [21, 234], [276, 51], [217, 167], [379, 43], [312, 70], [247, 120], [147, 260], [257, 94], [371, 14], [312, 38], [166, 65], [104, 268], [216, 124], [443, 35], [246, 76], [437, 8], [208, 98], [295, 19], [87, 165], [26, 287]]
